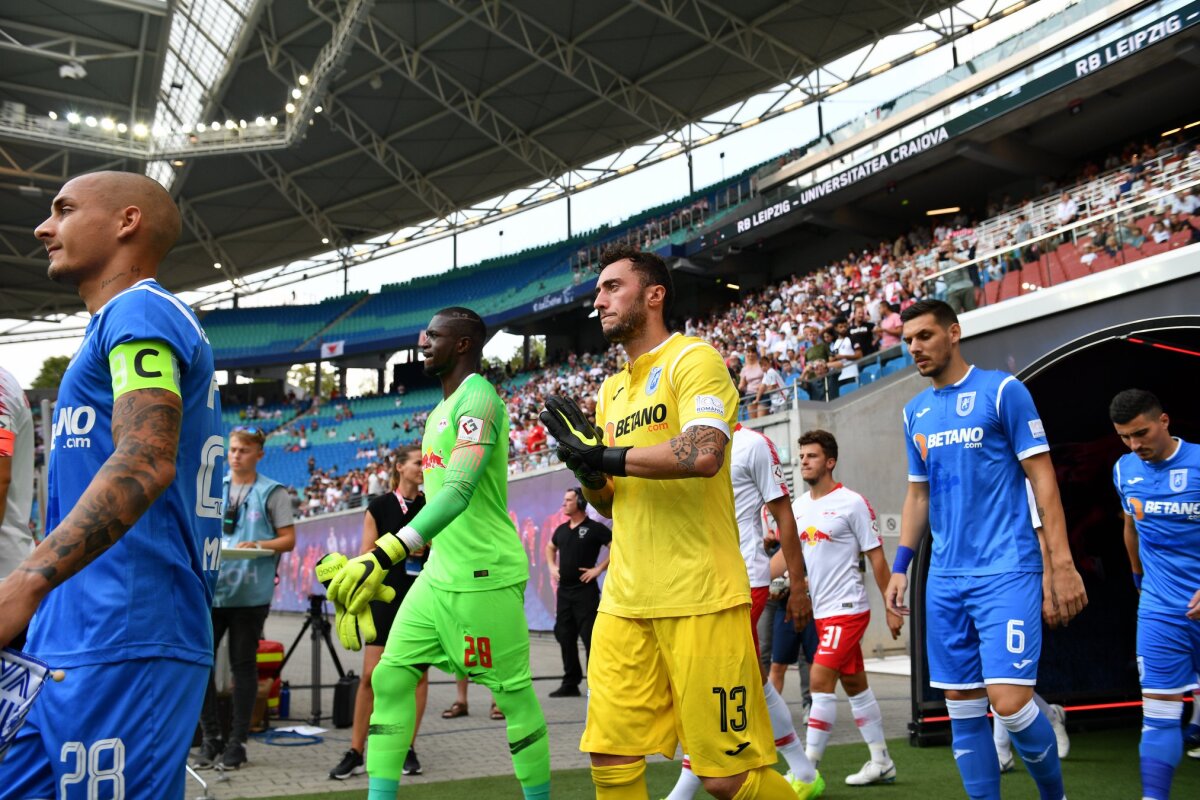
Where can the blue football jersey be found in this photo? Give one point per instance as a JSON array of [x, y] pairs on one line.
[[1164, 500], [967, 440], [149, 595]]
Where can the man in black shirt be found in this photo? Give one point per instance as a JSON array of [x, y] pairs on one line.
[[571, 555], [862, 331]]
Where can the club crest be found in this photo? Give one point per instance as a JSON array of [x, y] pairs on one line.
[[965, 404], [653, 380], [1179, 479]]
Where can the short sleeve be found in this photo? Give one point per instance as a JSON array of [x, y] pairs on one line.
[[766, 470], [149, 313], [475, 416], [1117, 485], [1020, 420], [279, 508], [916, 458], [605, 533], [704, 394], [866, 529]]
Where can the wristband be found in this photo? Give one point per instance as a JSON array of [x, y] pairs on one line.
[[904, 556], [612, 461], [1137, 580]]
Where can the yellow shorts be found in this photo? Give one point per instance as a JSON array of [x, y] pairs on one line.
[[653, 683]]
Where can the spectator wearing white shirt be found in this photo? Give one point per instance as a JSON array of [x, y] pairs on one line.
[[1067, 210]]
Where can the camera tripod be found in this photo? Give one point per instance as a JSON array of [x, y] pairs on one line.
[[320, 626]]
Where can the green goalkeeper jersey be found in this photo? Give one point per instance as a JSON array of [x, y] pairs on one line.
[[464, 457]]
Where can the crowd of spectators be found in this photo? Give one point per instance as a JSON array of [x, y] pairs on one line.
[[807, 332]]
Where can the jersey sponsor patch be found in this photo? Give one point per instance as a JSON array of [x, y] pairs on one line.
[[1037, 429], [470, 428], [143, 365], [777, 473], [709, 404]]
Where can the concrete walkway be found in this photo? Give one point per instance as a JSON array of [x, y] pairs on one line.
[[467, 747]]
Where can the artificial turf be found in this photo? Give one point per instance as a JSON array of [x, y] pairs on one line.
[[1103, 765]]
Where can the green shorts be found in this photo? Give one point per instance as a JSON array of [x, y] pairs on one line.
[[478, 635]]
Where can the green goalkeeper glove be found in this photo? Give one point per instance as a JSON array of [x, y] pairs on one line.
[[581, 444], [354, 630], [358, 582]]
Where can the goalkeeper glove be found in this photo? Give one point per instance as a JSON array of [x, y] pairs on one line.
[[582, 442], [358, 582], [354, 630]]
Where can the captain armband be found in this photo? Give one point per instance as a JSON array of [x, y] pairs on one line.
[[143, 365]]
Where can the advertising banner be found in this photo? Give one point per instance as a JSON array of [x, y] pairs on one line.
[[534, 504]]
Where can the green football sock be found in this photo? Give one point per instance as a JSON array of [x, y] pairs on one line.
[[527, 740], [390, 735]]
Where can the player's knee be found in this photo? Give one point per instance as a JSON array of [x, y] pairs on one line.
[[389, 681], [610, 760], [724, 788], [1011, 699]]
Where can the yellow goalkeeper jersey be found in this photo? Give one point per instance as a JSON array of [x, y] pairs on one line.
[[675, 542]]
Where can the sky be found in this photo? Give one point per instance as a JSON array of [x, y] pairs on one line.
[[606, 203]]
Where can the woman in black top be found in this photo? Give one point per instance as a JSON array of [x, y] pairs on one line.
[[388, 513]]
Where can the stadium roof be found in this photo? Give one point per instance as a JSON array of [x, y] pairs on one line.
[[289, 129]]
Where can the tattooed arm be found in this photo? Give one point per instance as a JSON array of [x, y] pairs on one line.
[[145, 431], [698, 452]]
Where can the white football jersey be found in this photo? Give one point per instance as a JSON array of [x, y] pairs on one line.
[[833, 531], [757, 479]]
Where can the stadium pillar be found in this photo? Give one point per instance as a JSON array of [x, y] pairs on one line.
[[691, 177], [454, 240], [525, 352], [569, 215], [316, 395], [342, 381], [379, 376], [820, 121]]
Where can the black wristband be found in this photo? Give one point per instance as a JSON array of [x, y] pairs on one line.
[[612, 461]]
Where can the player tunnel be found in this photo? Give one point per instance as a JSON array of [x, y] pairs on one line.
[[1089, 666]]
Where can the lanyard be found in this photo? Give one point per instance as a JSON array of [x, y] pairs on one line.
[[400, 498]]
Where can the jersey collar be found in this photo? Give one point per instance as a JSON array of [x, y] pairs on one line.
[[651, 351]]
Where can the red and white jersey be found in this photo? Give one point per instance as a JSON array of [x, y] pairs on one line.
[[833, 531], [757, 479]]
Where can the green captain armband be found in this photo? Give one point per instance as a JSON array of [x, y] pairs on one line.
[[143, 365]]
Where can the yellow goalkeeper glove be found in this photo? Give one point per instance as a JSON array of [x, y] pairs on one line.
[[358, 582], [354, 630]]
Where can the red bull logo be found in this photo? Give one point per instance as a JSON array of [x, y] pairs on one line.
[[432, 460], [811, 536]]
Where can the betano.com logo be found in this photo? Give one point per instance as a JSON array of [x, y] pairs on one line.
[[75, 424], [969, 438]]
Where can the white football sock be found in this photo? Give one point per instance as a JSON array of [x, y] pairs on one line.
[[786, 740], [687, 785], [820, 724], [869, 720]]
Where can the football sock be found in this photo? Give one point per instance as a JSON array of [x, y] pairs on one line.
[[787, 741], [389, 736], [1161, 746], [1034, 740], [687, 785], [765, 783], [527, 740], [1000, 738], [621, 782], [1195, 708], [974, 753], [869, 720], [820, 724], [1042, 705]]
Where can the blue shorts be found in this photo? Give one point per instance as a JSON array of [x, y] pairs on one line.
[[1168, 652], [983, 629], [108, 732], [786, 643]]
